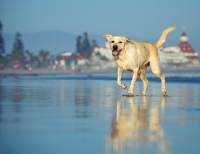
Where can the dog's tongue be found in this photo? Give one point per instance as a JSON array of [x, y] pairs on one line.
[[115, 53]]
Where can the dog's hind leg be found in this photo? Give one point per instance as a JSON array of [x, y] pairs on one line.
[[155, 68], [142, 75]]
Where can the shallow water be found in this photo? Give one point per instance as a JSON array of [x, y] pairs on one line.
[[91, 116]]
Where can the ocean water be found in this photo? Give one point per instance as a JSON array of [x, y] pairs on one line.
[[79, 114]]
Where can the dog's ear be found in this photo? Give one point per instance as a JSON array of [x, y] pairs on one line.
[[128, 39], [107, 36]]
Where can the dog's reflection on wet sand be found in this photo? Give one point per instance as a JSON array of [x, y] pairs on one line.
[[137, 124]]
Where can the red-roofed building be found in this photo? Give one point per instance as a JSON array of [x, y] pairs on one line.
[[187, 49], [81, 60], [183, 54]]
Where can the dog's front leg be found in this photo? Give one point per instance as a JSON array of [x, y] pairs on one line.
[[134, 77], [119, 76]]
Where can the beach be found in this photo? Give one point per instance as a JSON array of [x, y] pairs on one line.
[[88, 113], [85, 70]]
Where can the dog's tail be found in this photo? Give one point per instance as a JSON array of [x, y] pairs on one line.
[[163, 36]]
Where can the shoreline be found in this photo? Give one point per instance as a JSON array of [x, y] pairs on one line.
[[48, 71]]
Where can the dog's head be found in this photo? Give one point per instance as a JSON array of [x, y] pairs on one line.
[[117, 43]]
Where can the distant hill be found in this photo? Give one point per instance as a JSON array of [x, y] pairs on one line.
[[57, 42]]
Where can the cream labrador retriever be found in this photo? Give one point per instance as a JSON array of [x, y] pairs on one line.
[[137, 57]]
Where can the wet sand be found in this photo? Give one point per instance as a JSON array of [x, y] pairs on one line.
[[92, 116], [50, 71]]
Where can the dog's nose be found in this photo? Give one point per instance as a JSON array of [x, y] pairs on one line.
[[115, 47]]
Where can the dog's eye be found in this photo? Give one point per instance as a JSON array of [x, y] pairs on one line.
[[120, 41], [112, 41]]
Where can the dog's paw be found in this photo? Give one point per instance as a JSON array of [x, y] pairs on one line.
[[164, 92], [129, 95], [123, 86]]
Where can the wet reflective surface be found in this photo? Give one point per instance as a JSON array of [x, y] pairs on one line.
[[83, 116]]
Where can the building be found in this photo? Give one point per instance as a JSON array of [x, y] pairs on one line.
[[102, 56], [74, 58], [104, 51], [183, 54], [172, 55], [189, 52]]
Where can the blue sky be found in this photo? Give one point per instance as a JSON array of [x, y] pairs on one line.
[[142, 18]]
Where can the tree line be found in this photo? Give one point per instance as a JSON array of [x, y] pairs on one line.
[[19, 55], [83, 45]]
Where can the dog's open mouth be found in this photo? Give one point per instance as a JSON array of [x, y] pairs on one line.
[[116, 52]]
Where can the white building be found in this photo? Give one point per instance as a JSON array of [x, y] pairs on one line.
[[171, 55], [104, 51]]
